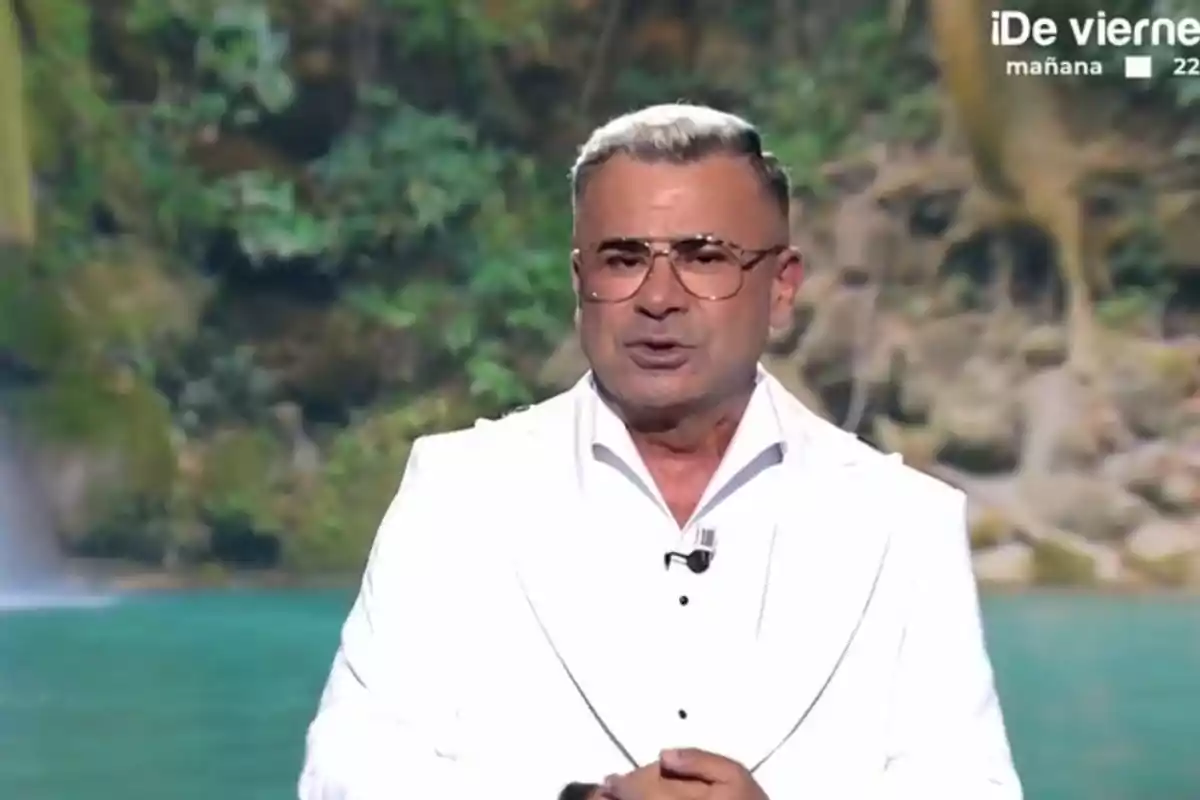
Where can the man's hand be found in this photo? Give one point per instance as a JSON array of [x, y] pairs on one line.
[[651, 782], [686, 775]]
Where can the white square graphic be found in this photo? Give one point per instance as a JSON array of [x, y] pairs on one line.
[[1139, 67]]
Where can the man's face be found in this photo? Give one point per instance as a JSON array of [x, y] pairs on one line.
[[666, 348]]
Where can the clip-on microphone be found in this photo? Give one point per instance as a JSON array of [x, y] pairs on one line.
[[701, 557]]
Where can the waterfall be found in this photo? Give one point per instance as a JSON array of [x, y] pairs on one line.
[[32, 572], [28, 556]]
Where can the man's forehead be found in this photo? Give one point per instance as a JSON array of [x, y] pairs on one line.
[[717, 195]]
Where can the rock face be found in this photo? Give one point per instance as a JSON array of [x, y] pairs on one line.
[[953, 354]]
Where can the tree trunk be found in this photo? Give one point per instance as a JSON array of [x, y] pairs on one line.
[[17, 217]]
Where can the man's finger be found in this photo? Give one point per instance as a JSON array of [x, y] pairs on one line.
[[700, 765], [618, 787]]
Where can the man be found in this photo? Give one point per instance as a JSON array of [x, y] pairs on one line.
[[673, 575]]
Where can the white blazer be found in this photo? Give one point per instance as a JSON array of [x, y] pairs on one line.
[[488, 653]]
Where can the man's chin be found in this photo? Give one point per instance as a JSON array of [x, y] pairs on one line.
[[657, 395]]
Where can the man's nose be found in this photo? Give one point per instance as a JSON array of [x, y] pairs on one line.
[[661, 292]]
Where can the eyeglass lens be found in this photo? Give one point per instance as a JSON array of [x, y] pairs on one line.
[[706, 267]]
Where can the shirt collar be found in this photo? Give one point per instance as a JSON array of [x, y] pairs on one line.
[[759, 431]]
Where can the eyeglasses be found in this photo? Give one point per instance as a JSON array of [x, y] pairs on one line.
[[708, 268]]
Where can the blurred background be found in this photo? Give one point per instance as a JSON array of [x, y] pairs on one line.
[[249, 249]]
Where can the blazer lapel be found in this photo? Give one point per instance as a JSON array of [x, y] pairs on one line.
[[567, 575], [827, 555]]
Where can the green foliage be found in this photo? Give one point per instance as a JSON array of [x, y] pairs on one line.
[[443, 221], [431, 24], [240, 480], [275, 145], [1145, 282], [265, 214], [408, 175], [232, 385], [236, 46], [1131, 309], [332, 520], [808, 124]]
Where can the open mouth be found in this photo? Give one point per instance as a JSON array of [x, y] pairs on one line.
[[659, 353]]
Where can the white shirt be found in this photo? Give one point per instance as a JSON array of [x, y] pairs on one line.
[[739, 507]]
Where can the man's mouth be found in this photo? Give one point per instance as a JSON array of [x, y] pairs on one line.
[[659, 353]]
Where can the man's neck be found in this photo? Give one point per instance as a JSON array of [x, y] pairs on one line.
[[702, 434]]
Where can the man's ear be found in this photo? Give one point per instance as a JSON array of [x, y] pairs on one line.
[[575, 287], [788, 275]]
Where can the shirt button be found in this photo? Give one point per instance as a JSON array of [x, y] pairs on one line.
[[682, 714], [683, 600]]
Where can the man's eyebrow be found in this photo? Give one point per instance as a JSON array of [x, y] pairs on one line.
[[622, 242], [642, 241]]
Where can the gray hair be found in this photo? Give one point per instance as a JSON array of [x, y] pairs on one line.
[[678, 133]]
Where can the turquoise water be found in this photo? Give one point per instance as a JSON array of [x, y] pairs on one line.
[[207, 696]]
